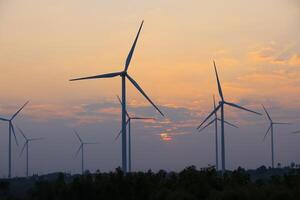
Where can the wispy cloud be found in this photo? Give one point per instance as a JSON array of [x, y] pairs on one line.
[[276, 54]]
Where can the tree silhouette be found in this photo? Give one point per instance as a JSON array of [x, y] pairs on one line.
[[189, 184]]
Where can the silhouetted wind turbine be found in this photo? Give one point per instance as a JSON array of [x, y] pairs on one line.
[[26, 145], [128, 122], [271, 128], [123, 74], [215, 120], [81, 147], [221, 106], [11, 129]]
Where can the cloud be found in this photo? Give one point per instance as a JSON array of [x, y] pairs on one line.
[[43, 112], [263, 53], [276, 54], [110, 111], [225, 57], [295, 60], [78, 114], [178, 119]]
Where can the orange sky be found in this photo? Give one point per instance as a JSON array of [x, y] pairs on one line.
[[44, 43]]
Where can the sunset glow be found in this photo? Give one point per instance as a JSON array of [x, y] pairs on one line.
[[165, 137]]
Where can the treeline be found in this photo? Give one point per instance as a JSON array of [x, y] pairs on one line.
[[189, 184]]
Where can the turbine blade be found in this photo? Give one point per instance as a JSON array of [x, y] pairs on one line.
[[240, 107], [128, 59], [228, 123], [77, 135], [215, 110], [13, 130], [143, 118], [282, 123], [91, 143], [119, 99], [23, 149], [267, 132], [212, 121], [295, 132], [143, 93], [35, 139], [78, 150], [119, 134], [20, 130], [19, 111], [3, 119], [109, 75], [266, 112], [219, 84], [121, 105], [214, 101]]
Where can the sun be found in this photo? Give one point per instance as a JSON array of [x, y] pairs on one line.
[[165, 137]]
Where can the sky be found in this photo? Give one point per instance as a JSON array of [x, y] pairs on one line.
[[44, 43]]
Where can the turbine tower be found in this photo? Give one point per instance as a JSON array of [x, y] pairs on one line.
[[128, 123], [81, 147], [221, 105], [26, 145], [215, 120], [271, 128], [11, 129], [124, 74]]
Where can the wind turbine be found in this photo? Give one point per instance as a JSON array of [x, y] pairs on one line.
[[128, 122], [221, 105], [81, 147], [271, 128], [124, 74], [11, 129], [26, 145], [215, 120]]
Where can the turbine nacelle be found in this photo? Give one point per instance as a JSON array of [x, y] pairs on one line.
[[10, 122], [82, 143], [129, 118], [124, 72], [222, 102], [125, 75], [272, 122], [27, 140]]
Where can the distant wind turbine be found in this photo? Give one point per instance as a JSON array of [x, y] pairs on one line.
[[81, 147], [271, 129], [123, 74], [128, 122], [11, 129], [215, 120], [221, 106], [26, 145]]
